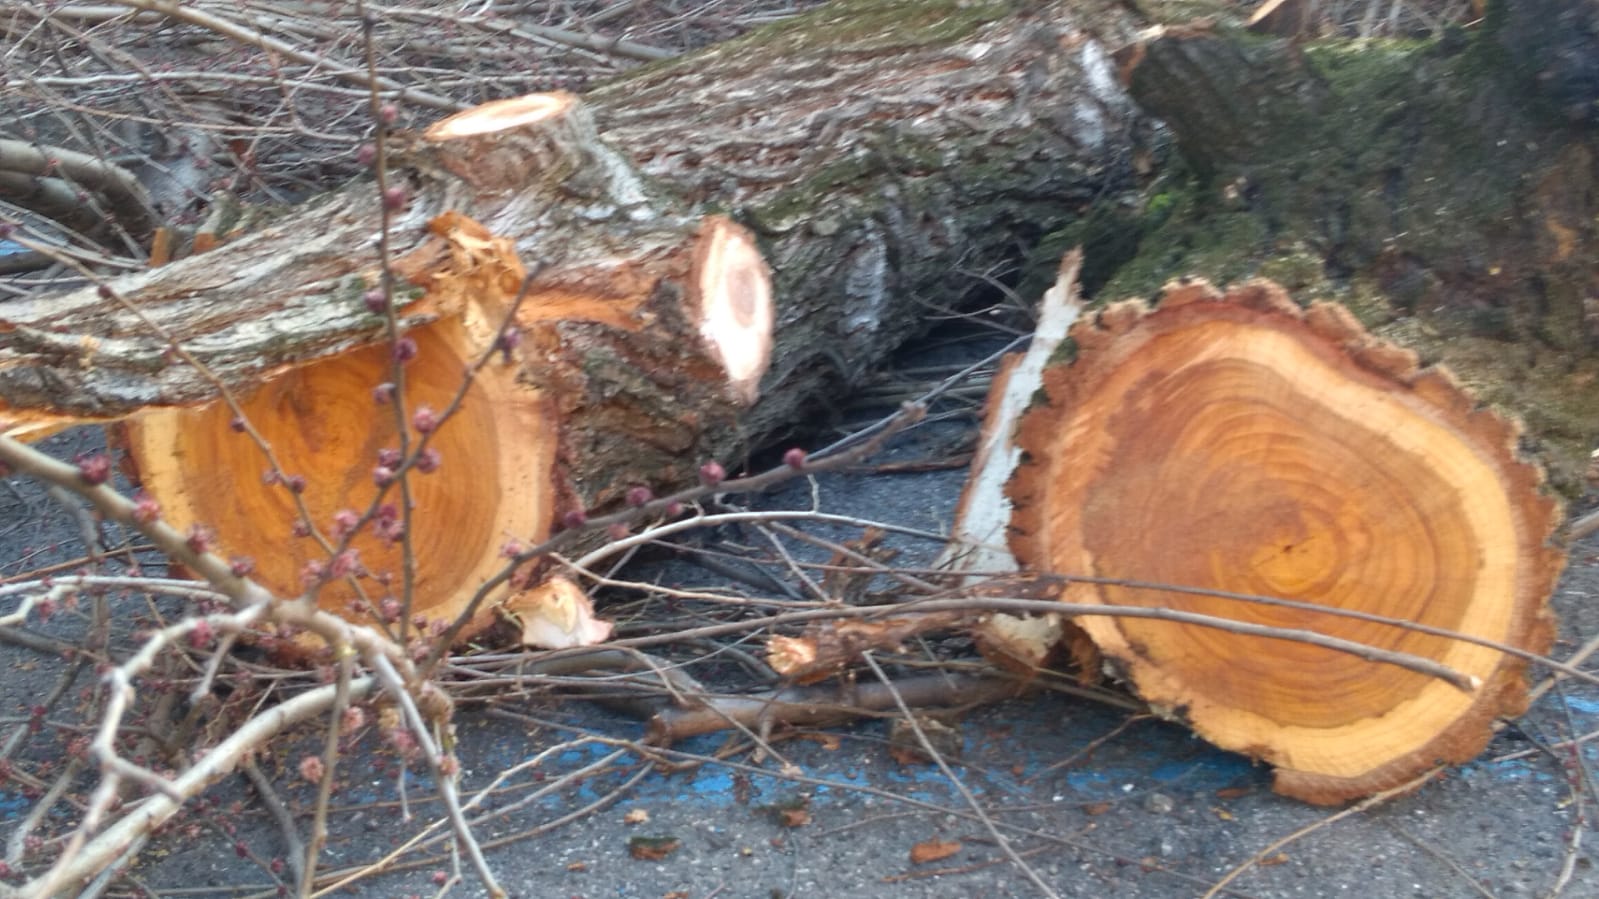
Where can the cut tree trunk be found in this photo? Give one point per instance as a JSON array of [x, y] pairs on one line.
[[880, 156], [1240, 445]]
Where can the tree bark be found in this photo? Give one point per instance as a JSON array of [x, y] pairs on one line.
[[1442, 190]]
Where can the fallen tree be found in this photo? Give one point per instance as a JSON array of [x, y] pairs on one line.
[[605, 286]]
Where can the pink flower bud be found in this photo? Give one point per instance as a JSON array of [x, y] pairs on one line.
[[794, 458], [312, 769], [712, 473], [198, 539], [638, 496], [344, 522], [425, 420], [95, 469], [429, 460], [145, 508]]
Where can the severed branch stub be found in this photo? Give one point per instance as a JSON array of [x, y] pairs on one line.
[[1238, 443]]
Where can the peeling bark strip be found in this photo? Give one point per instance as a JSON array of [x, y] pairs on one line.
[[1240, 444], [875, 150]]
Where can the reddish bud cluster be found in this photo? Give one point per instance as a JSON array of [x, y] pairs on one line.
[[345, 522], [508, 341], [429, 460], [404, 350], [794, 458], [237, 424], [313, 573], [394, 198], [377, 302], [312, 769], [389, 457], [145, 508], [295, 483], [574, 519], [353, 719], [638, 496], [366, 154], [241, 566], [202, 635], [402, 740], [199, 539], [95, 469], [712, 473], [348, 563], [382, 475], [513, 548], [387, 525], [425, 420], [383, 394], [301, 529]]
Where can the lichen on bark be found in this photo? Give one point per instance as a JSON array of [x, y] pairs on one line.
[[1418, 182]]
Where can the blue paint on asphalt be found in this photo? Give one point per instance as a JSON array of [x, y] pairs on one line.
[[1582, 705], [13, 804]]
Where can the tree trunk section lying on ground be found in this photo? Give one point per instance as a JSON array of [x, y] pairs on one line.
[[1443, 190], [1239, 444], [876, 152]]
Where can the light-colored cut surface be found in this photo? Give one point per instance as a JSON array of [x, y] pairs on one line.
[[1241, 445]]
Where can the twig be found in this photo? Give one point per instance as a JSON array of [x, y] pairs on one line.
[[1366, 804], [330, 764], [960, 785], [129, 202], [436, 758], [154, 810], [1455, 867], [823, 705], [293, 846], [234, 31], [906, 417]]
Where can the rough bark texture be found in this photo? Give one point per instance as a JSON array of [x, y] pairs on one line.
[[1444, 191], [878, 149], [886, 154]]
